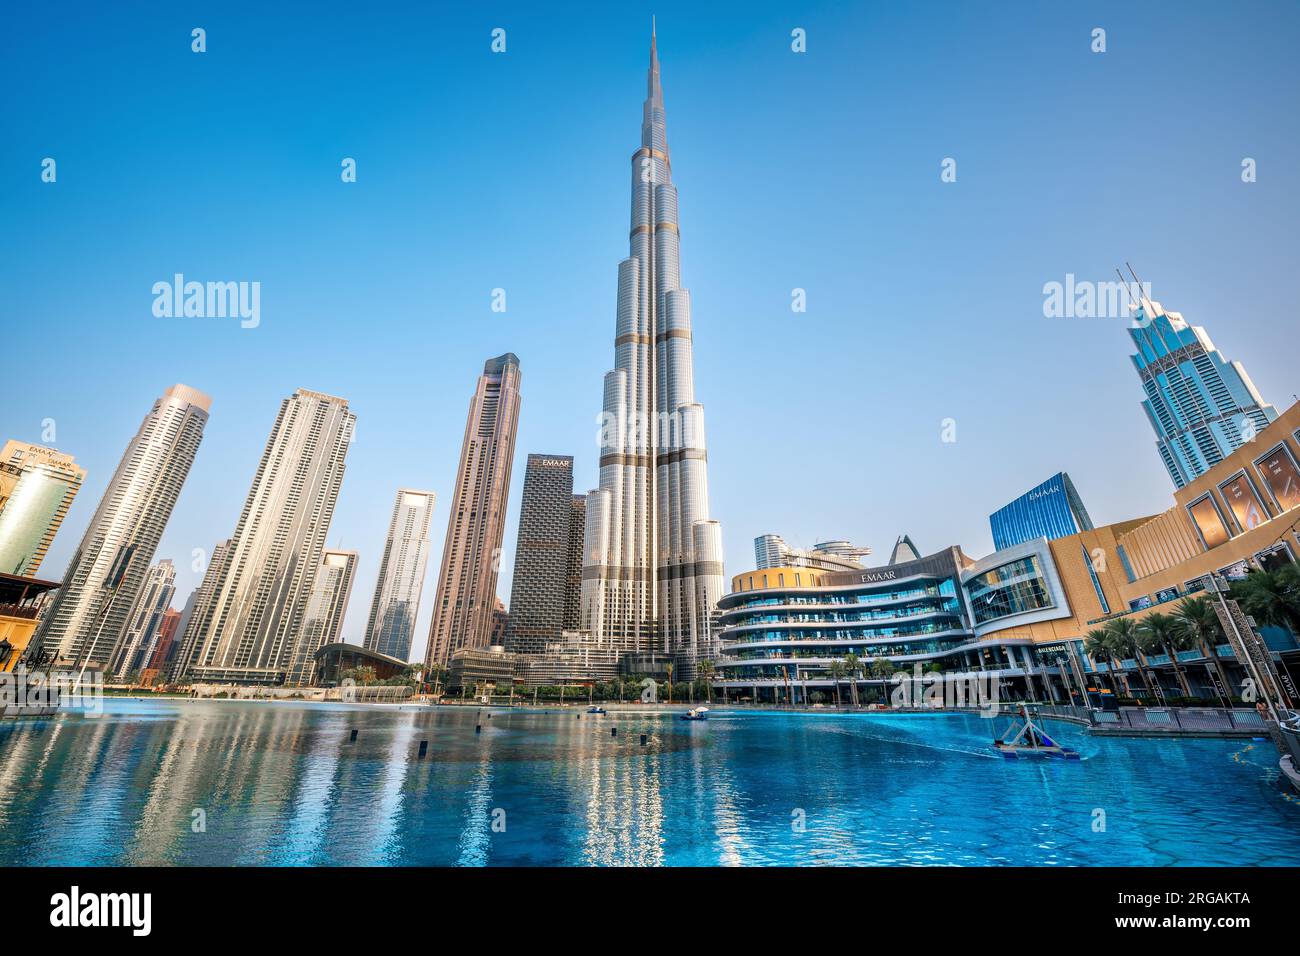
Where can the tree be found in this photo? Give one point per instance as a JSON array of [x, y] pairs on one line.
[[1163, 631], [670, 682], [836, 672], [853, 668], [705, 669], [1096, 643], [1122, 636], [1271, 597], [1200, 625]]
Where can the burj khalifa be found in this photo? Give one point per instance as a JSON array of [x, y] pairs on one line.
[[652, 569]]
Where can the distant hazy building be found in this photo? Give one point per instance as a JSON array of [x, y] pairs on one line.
[[1201, 406], [166, 645], [480, 668], [500, 623], [249, 631], [574, 658], [195, 610], [401, 575], [543, 555], [37, 486], [107, 571], [467, 581], [1051, 510], [326, 608], [145, 623], [771, 551]]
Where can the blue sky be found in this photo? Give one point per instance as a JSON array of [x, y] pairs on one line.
[[479, 171]]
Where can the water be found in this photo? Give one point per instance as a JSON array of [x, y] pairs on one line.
[[280, 784]]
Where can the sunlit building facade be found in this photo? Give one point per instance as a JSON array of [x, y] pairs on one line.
[[107, 572], [249, 631], [653, 573], [326, 608], [1201, 406], [37, 485]]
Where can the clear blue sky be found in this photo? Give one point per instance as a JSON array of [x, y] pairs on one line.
[[478, 171]]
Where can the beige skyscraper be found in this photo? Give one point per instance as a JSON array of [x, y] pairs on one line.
[[652, 574], [37, 485], [249, 630], [323, 620], [105, 576], [467, 581], [145, 623]]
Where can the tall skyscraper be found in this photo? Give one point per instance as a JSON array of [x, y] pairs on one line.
[[144, 626], [166, 644], [195, 610], [249, 630], [1050, 510], [467, 581], [1200, 405], [401, 575], [323, 619], [104, 577], [37, 486], [652, 575], [543, 556]]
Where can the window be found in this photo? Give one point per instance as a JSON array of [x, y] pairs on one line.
[[1012, 588], [1243, 502], [1278, 469], [1096, 584], [1209, 522], [1123, 559]]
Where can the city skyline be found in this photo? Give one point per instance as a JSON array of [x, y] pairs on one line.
[[1117, 487]]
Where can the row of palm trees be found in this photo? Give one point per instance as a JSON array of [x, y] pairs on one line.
[[1271, 597], [852, 668], [1193, 625]]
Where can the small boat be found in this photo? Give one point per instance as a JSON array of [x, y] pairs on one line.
[[696, 713], [596, 710], [1028, 740]]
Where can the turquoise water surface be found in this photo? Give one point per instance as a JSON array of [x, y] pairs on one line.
[[226, 782]]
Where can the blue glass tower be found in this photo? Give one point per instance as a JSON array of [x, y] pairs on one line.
[[1051, 510], [1201, 406]]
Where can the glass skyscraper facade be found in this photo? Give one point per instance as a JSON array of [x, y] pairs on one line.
[[1050, 510], [401, 575], [1201, 406], [540, 591]]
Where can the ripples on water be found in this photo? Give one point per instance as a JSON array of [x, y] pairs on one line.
[[281, 784]]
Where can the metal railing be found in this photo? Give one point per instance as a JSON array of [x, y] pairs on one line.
[[1180, 719]]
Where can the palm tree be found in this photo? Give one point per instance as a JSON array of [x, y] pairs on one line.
[[1164, 632], [670, 682], [705, 671], [1126, 639], [1271, 597], [853, 667], [1096, 643], [883, 668], [1200, 625], [836, 672]]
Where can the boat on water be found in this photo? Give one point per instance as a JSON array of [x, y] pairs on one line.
[[696, 713], [596, 710], [1026, 739]]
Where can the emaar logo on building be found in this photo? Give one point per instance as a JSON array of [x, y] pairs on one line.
[[1044, 492], [76, 909]]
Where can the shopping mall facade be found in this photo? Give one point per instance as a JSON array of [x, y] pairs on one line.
[[1021, 613]]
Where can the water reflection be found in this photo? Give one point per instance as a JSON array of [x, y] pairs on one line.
[[255, 783]]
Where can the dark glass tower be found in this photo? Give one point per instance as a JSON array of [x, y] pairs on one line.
[[543, 555]]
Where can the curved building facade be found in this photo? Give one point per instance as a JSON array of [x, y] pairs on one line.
[[789, 625]]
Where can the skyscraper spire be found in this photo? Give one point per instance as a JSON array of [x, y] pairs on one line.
[[654, 87], [652, 572]]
